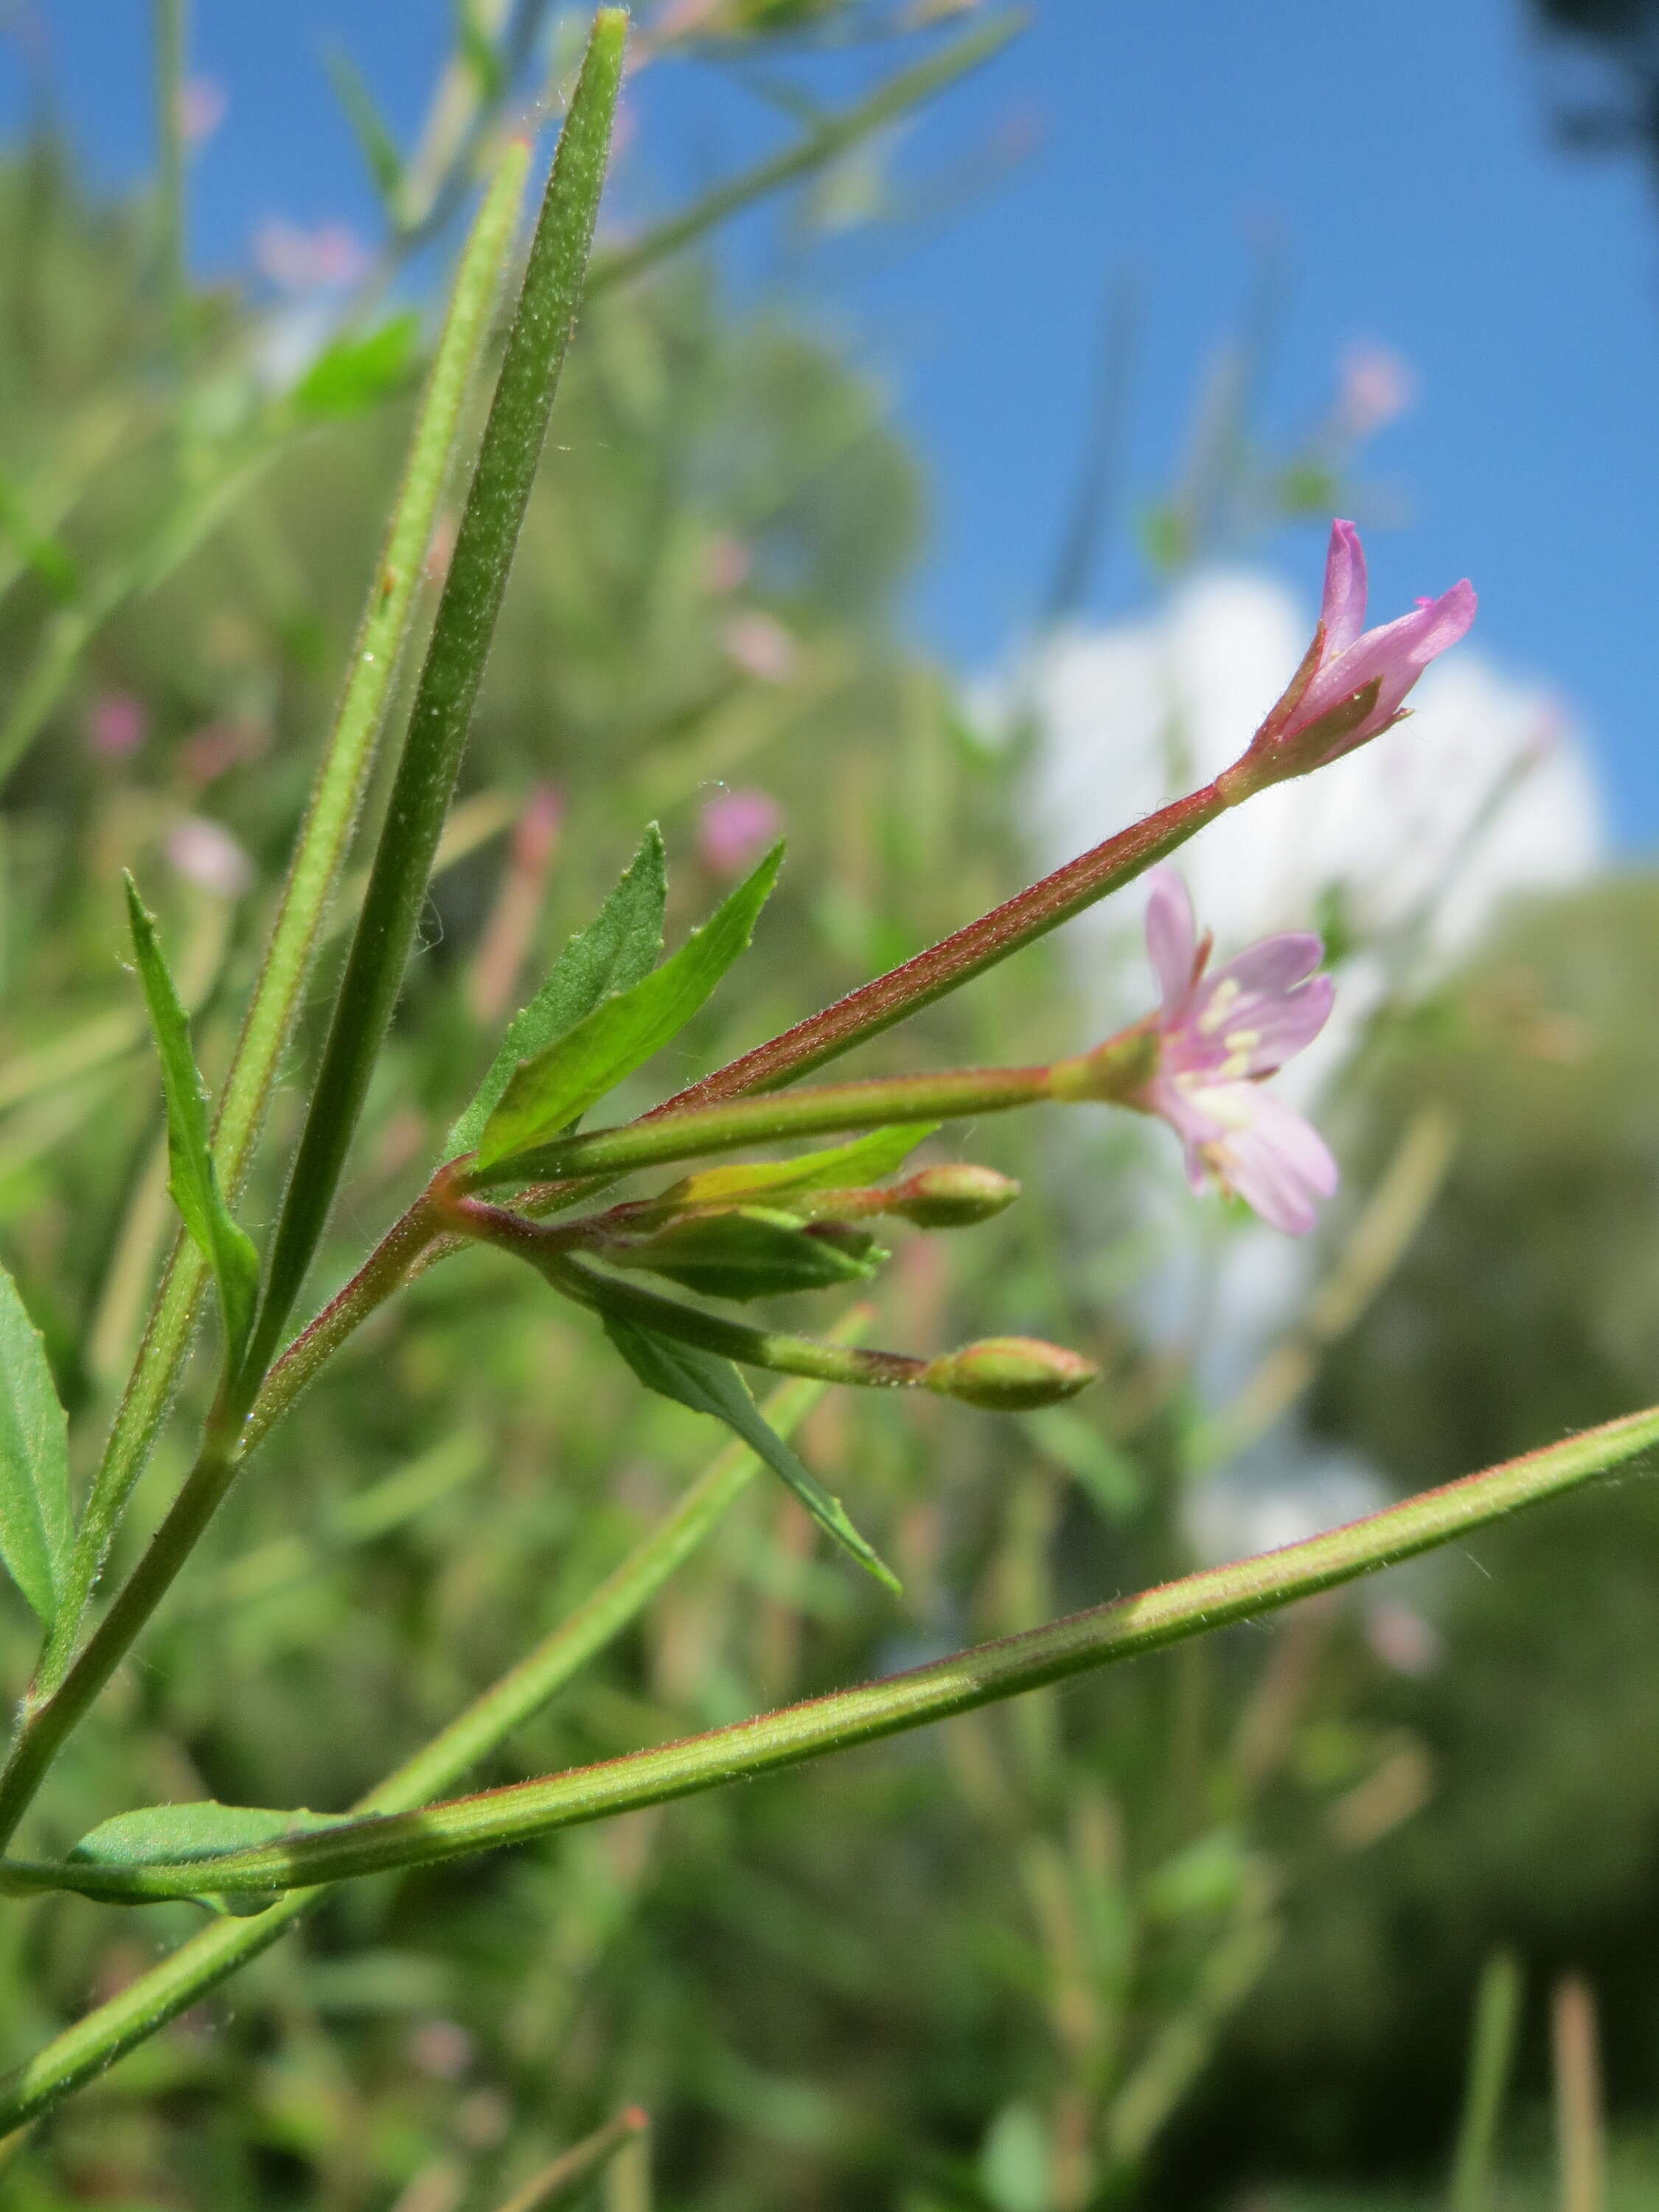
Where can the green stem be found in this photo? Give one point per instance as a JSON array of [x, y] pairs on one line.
[[693, 1133], [957, 959], [200, 1965], [986, 1674], [53, 1717], [1491, 2057], [448, 688], [50, 1722], [187, 522], [824, 1361], [601, 1618], [313, 873], [170, 40], [568, 2176], [825, 143]]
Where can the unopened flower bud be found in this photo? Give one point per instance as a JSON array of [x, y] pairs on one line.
[[953, 1197], [1010, 1374]]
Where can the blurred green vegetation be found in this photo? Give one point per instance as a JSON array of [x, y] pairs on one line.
[[1214, 1917]]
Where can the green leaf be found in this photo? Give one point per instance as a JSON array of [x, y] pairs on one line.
[[709, 1384], [550, 1092], [34, 1511], [752, 1252], [618, 948], [359, 370], [839, 1167], [478, 52], [170, 1835], [1071, 1440], [376, 143], [227, 1249]]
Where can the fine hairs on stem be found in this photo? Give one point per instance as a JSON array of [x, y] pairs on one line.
[[530, 1182]]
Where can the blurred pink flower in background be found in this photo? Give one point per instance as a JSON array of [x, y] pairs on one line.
[[1219, 1034], [726, 563], [1402, 1639], [678, 19], [117, 725], [537, 831], [326, 258], [441, 2049], [735, 829], [205, 853], [1378, 385], [202, 104], [209, 751], [760, 646]]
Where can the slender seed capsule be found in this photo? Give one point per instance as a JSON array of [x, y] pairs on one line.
[[1010, 1374]]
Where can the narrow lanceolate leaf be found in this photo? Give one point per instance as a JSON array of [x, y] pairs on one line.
[[441, 714], [548, 1093], [619, 947], [227, 1247], [380, 148], [708, 1384], [34, 1512], [838, 1167], [301, 915]]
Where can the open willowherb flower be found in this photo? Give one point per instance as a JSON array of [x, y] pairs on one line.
[[1220, 1032], [1354, 682]]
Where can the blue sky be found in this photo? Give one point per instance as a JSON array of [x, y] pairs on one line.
[[1398, 156]]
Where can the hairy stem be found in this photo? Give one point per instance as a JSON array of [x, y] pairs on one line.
[[448, 689], [135, 2014], [823, 1361], [318, 854], [957, 959], [982, 1675], [693, 1133]]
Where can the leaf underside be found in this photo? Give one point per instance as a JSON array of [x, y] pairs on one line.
[[619, 948], [34, 1507], [708, 1384], [556, 1088], [194, 1182]]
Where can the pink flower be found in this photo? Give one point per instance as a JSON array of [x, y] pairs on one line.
[[118, 724], [204, 852], [760, 646], [1352, 682], [1378, 385], [327, 258], [202, 104], [726, 563], [1219, 1034], [736, 829]]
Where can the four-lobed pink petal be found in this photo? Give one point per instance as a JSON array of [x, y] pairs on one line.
[[1171, 938], [1219, 1034], [1342, 611]]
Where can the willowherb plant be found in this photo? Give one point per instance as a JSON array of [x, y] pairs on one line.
[[521, 1176]]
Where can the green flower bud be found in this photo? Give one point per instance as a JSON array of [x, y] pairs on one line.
[[1010, 1374], [953, 1197]]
